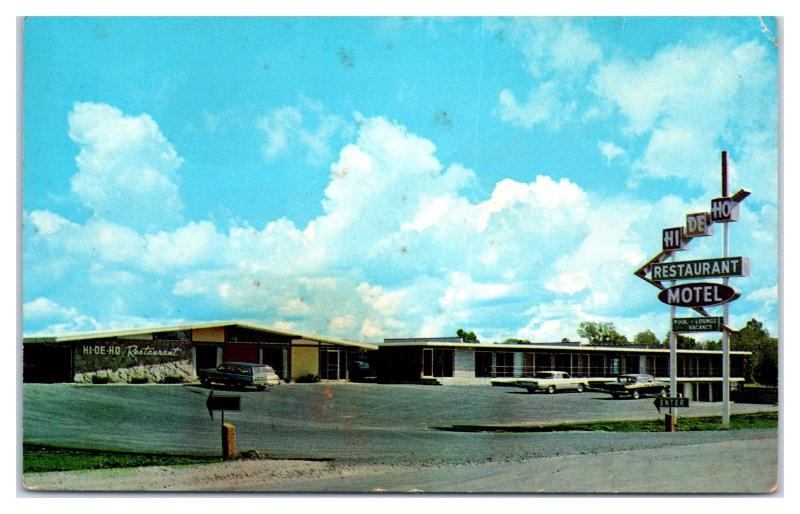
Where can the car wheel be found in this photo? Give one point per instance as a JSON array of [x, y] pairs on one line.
[[615, 396], [635, 395], [551, 389], [580, 388]]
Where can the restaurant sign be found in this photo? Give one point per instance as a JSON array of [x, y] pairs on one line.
[[698, 294], [709, 324], [705, 268]]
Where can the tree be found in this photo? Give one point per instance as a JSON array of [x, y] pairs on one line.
[[684, 342], [762, 366], [467, 337], [517, 341], [601, 333], [647, 339]]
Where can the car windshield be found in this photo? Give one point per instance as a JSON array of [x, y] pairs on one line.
[[626, 380]]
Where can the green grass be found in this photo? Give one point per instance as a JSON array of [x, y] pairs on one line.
[[47, 458], [684, 424]]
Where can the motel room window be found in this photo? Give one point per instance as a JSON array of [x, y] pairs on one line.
[[483, 364], [613, 366], [437, 362], [662, 366], [504, 364], [528, 364], [597, 365], [544, 362], [579, 365], [563, 362], [632, 364]]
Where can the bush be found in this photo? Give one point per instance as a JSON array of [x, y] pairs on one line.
[[307, 379], [141, 379], [172, 379], [100, 379]]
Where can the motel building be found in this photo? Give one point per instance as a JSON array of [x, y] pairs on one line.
[[450, 360], [182, 350]]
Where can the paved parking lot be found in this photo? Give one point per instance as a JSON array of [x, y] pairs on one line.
[[378, 438], [347, 422]]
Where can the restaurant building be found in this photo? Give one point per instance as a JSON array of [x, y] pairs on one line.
[[450, 360], [182, 350]]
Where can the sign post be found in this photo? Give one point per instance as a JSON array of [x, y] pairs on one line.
[[673, 365], [726, 340], [223, 403]]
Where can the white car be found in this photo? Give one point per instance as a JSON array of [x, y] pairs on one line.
[[552, 381]]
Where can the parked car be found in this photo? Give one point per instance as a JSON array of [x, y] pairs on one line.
[[635, 386], [552, 381], [240, 374], [361, 371]]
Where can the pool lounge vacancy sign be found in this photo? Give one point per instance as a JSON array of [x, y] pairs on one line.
[[704, 268], [698, 294], [709, 324]]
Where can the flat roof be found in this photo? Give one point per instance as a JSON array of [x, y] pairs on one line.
[[554, 347], [126, 332]]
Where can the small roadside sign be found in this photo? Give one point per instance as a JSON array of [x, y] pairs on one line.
[[662, 402], [222, 403]]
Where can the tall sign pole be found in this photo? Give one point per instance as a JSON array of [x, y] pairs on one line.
[[699, 295], [673, 361], [726, 339]]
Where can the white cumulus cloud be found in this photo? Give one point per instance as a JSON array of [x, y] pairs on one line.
[[127, 170]]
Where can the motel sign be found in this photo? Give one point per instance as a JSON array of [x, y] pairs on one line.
[[699, 294]]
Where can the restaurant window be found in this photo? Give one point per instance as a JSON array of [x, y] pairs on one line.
[[332, 364]]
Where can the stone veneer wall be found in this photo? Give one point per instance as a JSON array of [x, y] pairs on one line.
[[177, 371]]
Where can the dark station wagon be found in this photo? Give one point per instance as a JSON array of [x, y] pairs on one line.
[[239, 374]]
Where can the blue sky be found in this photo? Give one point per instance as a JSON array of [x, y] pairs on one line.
[[384, 177]]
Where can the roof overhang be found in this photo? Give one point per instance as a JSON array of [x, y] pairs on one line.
[[129, 332]]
